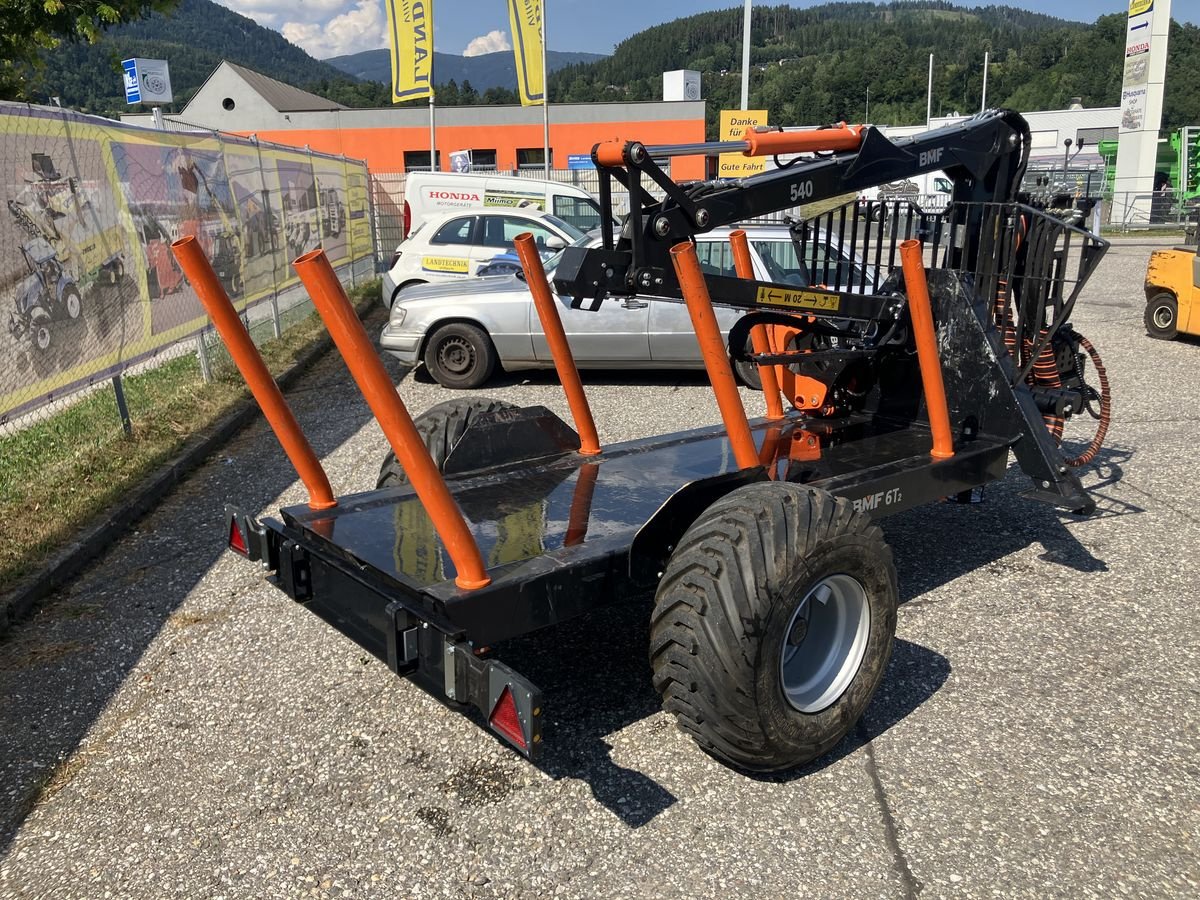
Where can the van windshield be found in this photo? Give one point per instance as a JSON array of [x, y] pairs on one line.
[[582, 212]]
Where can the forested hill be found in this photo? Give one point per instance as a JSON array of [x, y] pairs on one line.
[[194, 38], [817, 64]]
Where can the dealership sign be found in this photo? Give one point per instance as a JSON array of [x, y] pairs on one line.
[[146, 81]]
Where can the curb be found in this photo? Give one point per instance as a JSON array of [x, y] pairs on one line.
[[94, 538]]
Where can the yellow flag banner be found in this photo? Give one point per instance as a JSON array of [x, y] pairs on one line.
[[410, 25], [525, 19]]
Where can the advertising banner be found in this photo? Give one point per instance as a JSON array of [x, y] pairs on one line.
[[525, 20], [410, 37], [1147, 30], [734, 124], [88, 283]]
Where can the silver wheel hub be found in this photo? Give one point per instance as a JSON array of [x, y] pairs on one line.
[[824, 643], [1163, 317], [456, 355]]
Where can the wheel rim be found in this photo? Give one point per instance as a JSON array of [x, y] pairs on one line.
[[1163, 317], [824, 643], [73, 305], [456, 355], [42, 335]]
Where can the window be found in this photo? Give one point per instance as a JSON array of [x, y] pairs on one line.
[[583, 213], [456, 231], [500, 231], [716, 258], [816, 267], [1091, 137], [418, 160], [533, 158], [483, 159]]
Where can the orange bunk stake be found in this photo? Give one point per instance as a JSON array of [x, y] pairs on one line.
[[758, 334], [927, 352], [377, 388], [712, 349], [564, 362], [250, 363]]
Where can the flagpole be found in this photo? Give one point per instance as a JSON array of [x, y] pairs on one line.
[[433, 166], [545, 100]]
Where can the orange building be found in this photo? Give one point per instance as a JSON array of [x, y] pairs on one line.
[[396, 139]]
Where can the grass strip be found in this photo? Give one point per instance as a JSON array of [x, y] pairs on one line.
[[59, 474]]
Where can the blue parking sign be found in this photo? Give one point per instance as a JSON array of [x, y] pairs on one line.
[[133, 89]]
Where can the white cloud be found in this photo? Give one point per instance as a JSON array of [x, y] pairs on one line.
[[492, 42], [362, 28], [272, 12]]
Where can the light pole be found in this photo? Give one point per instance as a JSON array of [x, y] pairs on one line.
[[746, 58], [867, 114]]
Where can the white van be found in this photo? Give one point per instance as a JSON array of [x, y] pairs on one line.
[[428, 193]]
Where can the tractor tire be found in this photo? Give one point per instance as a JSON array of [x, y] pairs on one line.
[[748, 373], [460, 355], [39, 328], [1162, 317], [72, 303], [441, 427], [773, 624]]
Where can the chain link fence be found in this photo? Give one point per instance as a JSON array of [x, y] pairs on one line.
[[89, 289]]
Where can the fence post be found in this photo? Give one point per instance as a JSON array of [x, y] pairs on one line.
[[122, 408]]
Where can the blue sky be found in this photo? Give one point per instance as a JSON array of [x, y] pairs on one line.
[[333, 27]]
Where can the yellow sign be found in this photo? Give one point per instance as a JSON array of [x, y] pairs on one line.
[[525, 19], [458, 265], [1137, 7], [410, 32], [734, 124], [818, 300]]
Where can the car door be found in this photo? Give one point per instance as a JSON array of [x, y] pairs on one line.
[[614, 334], [672, 337], [497, 231], [447, 256]]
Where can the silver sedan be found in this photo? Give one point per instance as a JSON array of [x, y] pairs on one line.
[[463, 331]]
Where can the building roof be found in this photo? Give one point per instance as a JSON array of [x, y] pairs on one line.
[[283, 97]]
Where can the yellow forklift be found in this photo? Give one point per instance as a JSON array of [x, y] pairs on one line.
[[1173, 293]]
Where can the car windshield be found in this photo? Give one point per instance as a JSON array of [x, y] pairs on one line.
[[570, 229]]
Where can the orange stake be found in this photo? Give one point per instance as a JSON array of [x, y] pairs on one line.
[[363, 361], [250, 363], [564, 361], [758, 334], [927, 351], [712, 349]]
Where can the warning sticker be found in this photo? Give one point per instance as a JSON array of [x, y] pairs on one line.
[[457, 264], [799, 299]]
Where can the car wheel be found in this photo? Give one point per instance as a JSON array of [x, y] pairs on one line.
[[1162, 317], [72, 302], [748, 372], [460, 355]]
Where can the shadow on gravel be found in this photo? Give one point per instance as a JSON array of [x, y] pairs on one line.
[[61, 667], [595, 677]]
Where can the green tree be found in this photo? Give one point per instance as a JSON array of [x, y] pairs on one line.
[[31, 27]]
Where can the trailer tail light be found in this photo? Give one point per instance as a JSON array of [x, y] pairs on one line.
[[504, 719], [237, 540]]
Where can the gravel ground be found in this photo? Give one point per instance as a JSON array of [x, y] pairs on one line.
[[173, 726]]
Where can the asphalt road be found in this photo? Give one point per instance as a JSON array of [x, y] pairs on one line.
[[173, 726]]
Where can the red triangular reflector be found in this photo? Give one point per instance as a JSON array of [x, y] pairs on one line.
[[236, 541], [505, 720]]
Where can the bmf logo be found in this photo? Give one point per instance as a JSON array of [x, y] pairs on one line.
[[931, 157]]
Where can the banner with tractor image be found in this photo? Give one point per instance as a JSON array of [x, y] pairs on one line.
[[88, 283]]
